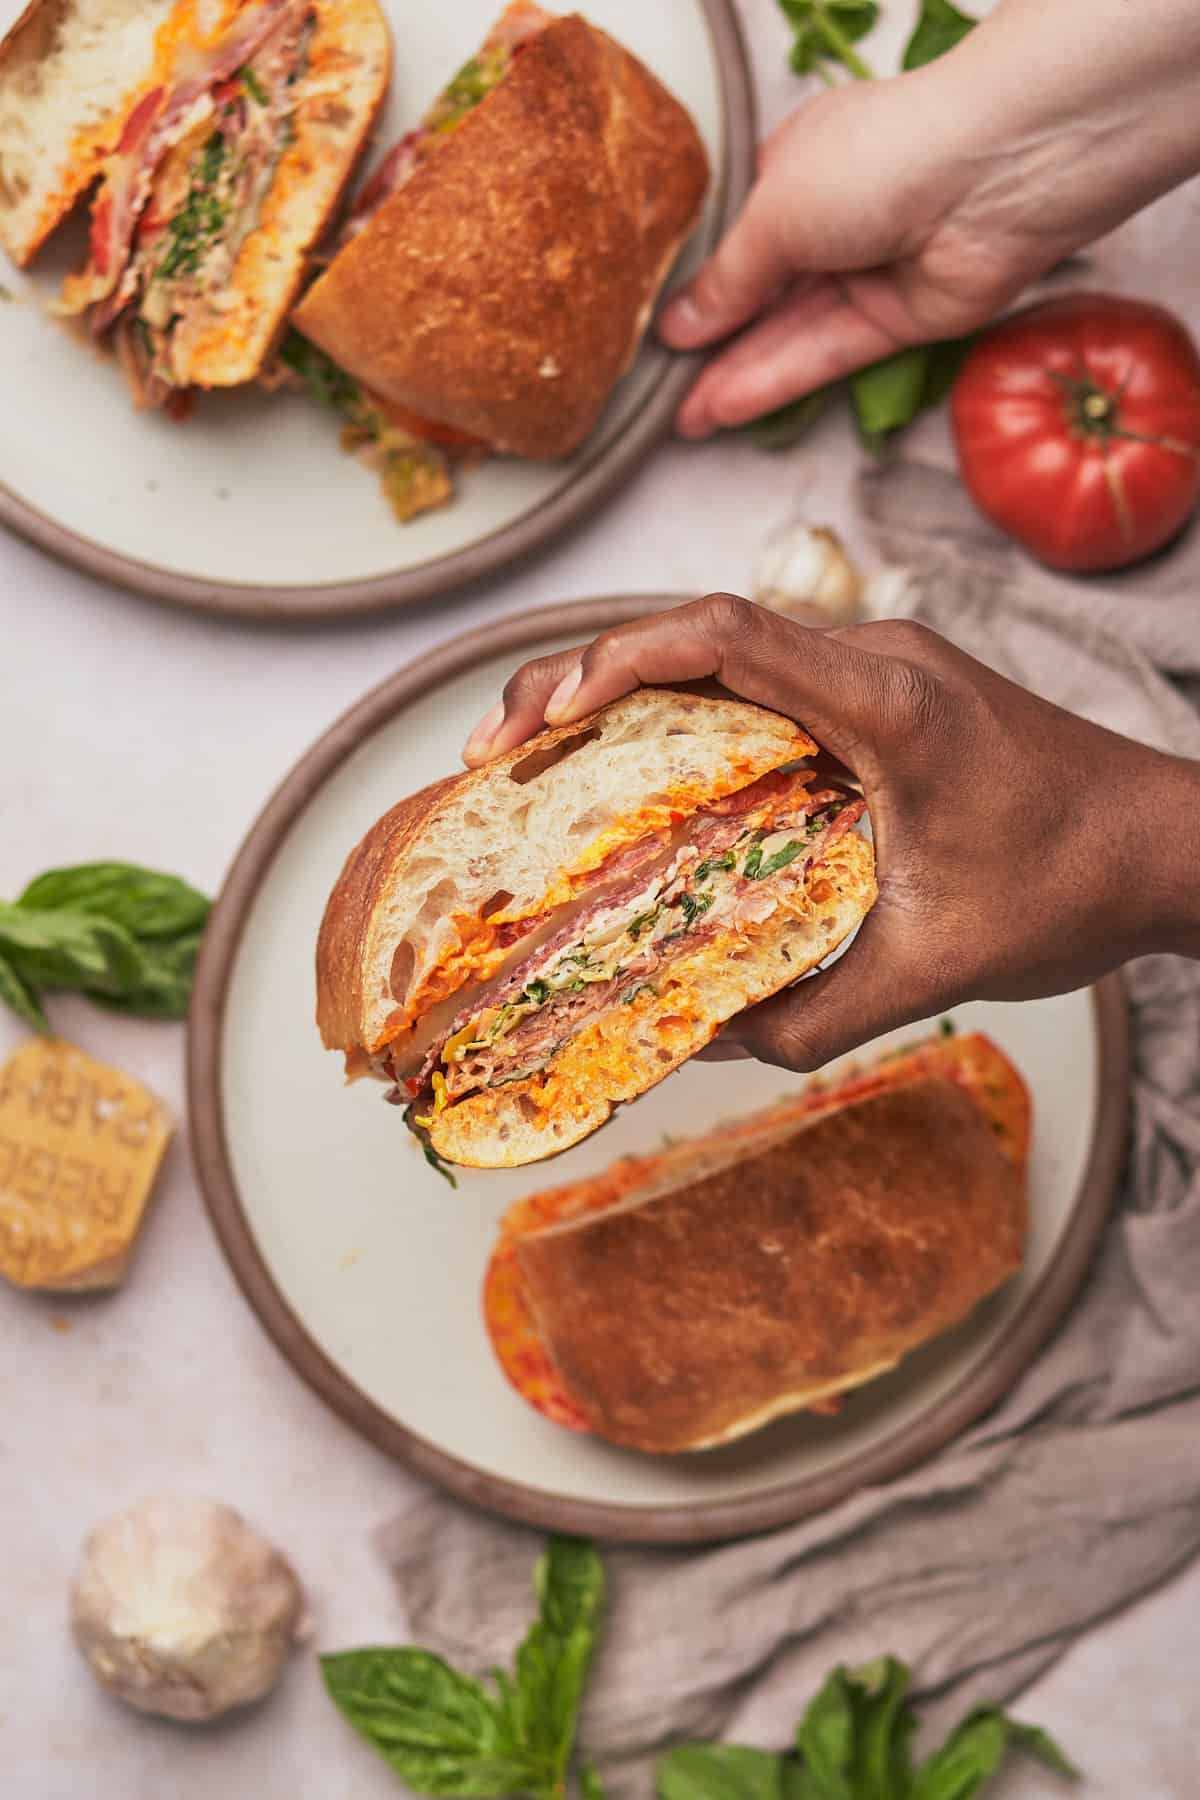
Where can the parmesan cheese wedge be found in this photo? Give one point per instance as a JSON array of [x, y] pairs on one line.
[[80, 1147]]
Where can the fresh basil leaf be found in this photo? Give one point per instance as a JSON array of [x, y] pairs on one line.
[[883, 1758], [438, 1729], [590, 1785], [939, 28], [797, 1781], [945, 360], [163, 989], [825, 31], [551, 1667], [779, 860], [16, 992], [324, 381], [975, 1750], [67, 949], [780, 429], [887, 395], [146, 903], [718, 1772], [825, 1737]]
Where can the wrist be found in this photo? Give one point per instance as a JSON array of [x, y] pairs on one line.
[[1162, 871], [1070, 117]]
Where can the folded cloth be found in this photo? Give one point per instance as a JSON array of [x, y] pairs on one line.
[[1076, 1494]]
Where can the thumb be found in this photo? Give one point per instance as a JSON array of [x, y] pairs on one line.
[[879, 983], [745, 272]]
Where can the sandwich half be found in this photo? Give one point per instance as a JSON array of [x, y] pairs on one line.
[[676, 1302], [519, 949], [501, 267], [216, 150]]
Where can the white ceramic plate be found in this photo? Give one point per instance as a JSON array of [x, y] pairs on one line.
[[367, 1268], [251, 507]]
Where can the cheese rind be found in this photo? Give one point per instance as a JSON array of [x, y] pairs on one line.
[[80, 1148]]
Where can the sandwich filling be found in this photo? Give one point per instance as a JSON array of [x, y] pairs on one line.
[[185, 188], [725, 871]]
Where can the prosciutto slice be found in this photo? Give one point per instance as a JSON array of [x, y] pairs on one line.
[[158, 120], [717, 879]]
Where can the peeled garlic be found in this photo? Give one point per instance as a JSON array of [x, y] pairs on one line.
[[891, 593], [804, 570], [180, 1608]]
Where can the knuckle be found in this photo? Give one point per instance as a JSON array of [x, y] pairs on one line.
[[728, 617], [520, 683], [605, 650]]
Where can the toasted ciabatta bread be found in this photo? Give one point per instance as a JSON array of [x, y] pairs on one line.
[[70, 73], [229, 141], [504, 288], [528, 945], [678, 1301]]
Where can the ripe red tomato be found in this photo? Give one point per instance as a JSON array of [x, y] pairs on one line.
[[1077, 424]]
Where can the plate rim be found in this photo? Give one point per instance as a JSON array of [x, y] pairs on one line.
[[602, 472], [702, 1521]]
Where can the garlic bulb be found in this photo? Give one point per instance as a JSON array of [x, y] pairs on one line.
[[804, 570], [180, 1608]]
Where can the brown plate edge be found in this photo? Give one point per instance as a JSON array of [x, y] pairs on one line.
[[704, 1521], [598, 480]]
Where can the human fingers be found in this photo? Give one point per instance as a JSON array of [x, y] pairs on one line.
[[744, 273], [812, 336], [885, 979]]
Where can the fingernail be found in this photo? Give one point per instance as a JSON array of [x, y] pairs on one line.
[[559, 703], [681, 316], [484, 732]]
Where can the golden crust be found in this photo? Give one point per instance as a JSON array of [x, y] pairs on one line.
[[799, 1271], [504, 288], [366, 876]]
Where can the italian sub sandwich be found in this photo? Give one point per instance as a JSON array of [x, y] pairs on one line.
[[521, 948], [500, 267], [676, 1302], [214, 139]]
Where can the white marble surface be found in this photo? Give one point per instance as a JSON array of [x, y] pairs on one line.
[[129, 729]]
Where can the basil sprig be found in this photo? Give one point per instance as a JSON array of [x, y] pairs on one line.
[[445, 1733], [125, 936], [855, 1743]]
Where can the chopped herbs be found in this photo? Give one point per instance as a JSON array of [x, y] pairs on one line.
[[947, 1027], [537, 991], [643, 987], [639, 924], [706, 868], [430, 1154], [254, 87], [693, 906], [200, 219], [473, 83], [324, 381]]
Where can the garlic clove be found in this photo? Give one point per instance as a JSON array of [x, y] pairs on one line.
[[804, 568], [180, 1607]]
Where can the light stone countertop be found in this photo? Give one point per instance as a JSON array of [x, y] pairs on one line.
[[128, 728]]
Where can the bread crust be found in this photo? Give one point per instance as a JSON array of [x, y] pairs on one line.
[[776, 1278], [503, 290], [357, 1005]]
